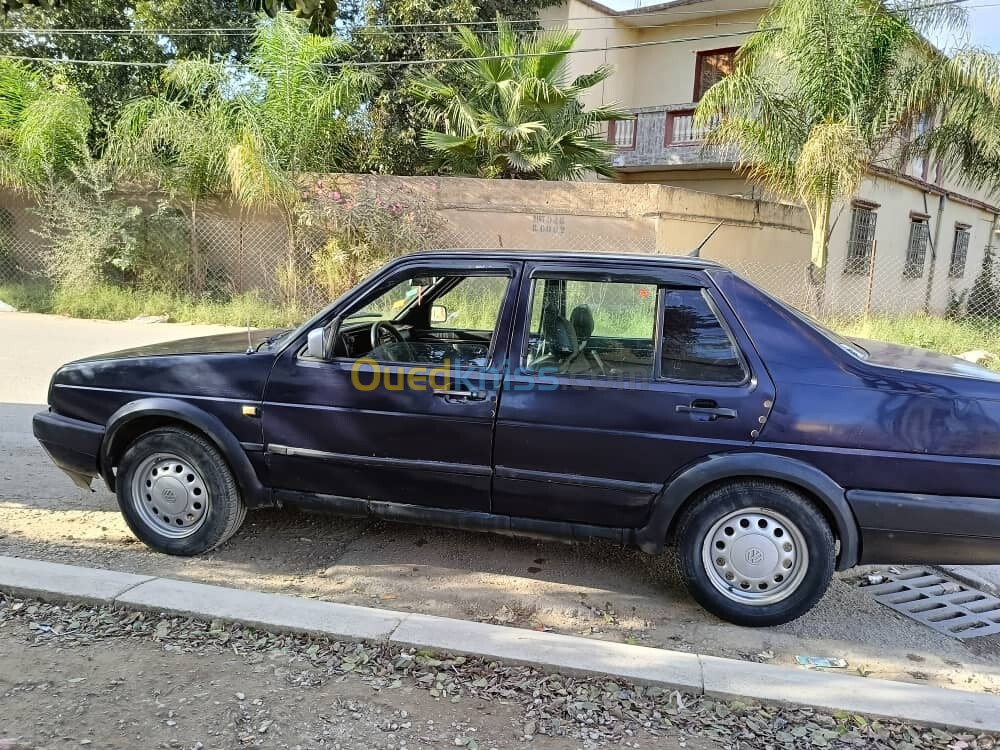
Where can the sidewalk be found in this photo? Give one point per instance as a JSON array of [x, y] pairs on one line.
[[407, 633], [986, 578]]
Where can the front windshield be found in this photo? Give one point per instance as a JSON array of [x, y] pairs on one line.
[[390, 303]]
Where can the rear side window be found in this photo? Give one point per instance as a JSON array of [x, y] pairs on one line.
[[696, 345], [593, 328]]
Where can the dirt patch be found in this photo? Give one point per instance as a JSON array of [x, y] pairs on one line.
[[77, 675]]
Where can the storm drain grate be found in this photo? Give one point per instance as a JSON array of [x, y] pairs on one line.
[[940, 603]]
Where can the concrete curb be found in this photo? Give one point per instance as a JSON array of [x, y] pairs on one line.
[[548, 651], [970, 577]]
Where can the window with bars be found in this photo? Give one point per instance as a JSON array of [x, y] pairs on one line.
[[860, 245], [959, 252], [916, 250], [711, 66]]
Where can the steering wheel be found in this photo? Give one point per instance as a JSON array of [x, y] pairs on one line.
[[384, 332]]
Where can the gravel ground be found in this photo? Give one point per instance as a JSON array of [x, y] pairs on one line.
[[77, 675], [596, 590]]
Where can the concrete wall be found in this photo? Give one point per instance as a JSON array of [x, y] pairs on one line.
[[599, 217], [665, 72], [651, 75], [597, 31], [768, 242]]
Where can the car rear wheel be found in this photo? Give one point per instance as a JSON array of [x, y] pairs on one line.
[[177, 493], [755, 553]]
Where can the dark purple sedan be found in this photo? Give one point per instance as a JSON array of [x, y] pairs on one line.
[[649, 401]]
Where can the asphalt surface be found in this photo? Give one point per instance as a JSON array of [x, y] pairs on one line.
[[597, 590]]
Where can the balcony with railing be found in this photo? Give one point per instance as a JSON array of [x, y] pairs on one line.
[[662, 137]]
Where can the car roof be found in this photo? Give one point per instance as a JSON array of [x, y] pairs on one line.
[[595, 258]]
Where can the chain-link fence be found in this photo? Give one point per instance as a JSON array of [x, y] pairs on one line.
[[948, 301]]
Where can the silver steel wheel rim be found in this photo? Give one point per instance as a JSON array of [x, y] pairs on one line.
[[170, 495], [755, 556]]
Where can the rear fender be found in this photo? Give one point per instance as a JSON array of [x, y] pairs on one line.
[[692, 480]]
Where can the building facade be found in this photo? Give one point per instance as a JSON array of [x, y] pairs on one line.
[[908, 240]]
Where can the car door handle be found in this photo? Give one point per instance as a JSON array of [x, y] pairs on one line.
[[707, 409], [458, 396]]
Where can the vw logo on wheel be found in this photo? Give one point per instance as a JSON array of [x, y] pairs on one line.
[[754, 556]]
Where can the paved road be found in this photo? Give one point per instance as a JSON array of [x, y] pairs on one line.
[[596, 590]]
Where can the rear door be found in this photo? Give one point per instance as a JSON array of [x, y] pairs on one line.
[[618, 381]]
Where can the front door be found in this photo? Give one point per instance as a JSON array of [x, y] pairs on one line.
[[404, 411], [624, 379]]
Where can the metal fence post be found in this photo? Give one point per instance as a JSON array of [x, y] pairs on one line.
[[871, 281]]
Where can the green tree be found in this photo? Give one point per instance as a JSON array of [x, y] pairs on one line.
[[180, 139], [515, 113], [321, 14], [43, 128], [85, 30], [984, 297], [299, 116], [826, 88], [406, 30]]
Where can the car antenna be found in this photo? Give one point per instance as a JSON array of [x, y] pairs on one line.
[[696, 253]]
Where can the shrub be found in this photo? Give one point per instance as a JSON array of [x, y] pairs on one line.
[[163, 257], [363, 231], [91, 236], [956, 304], [984, 297]]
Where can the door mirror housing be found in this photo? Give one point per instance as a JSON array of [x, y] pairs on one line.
[[320, 341], [439, 314]]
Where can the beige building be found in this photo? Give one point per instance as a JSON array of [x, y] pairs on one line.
[[928, 234]]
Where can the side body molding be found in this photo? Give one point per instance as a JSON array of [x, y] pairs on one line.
[[651, 537], [255, 494]]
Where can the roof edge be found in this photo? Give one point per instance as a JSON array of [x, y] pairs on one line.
[[638, 11]]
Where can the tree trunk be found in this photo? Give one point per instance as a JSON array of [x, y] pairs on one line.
[[291, 274], [820, 251], [197, 266]]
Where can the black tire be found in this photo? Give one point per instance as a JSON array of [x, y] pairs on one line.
[[813, 575], [225, 509]]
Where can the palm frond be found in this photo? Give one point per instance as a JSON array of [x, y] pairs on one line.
[[517, 115]]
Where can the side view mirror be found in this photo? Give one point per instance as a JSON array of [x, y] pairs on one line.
[[439, 314], [320, 341]]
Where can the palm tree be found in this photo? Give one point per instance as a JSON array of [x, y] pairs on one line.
[[181, 139], [43, 128], [300, 115], [826, 88], [514, 113]]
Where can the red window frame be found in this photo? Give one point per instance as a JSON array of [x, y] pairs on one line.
[[669, 125], [700, 56], [613, 129]]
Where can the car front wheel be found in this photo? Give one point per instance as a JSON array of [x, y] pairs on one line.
[[177, 493], [755, 553]]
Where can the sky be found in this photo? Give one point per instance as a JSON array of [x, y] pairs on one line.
[[984, 21]]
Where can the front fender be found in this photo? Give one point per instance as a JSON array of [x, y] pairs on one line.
[[120, 431], [691, 480]]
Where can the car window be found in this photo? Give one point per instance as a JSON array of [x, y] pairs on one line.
[[428, 319], [391, 302], [592, 328], [473, 304], [696, 346]]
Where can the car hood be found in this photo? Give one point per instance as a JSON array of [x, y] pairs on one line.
[[224, 343], [923, 360]]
